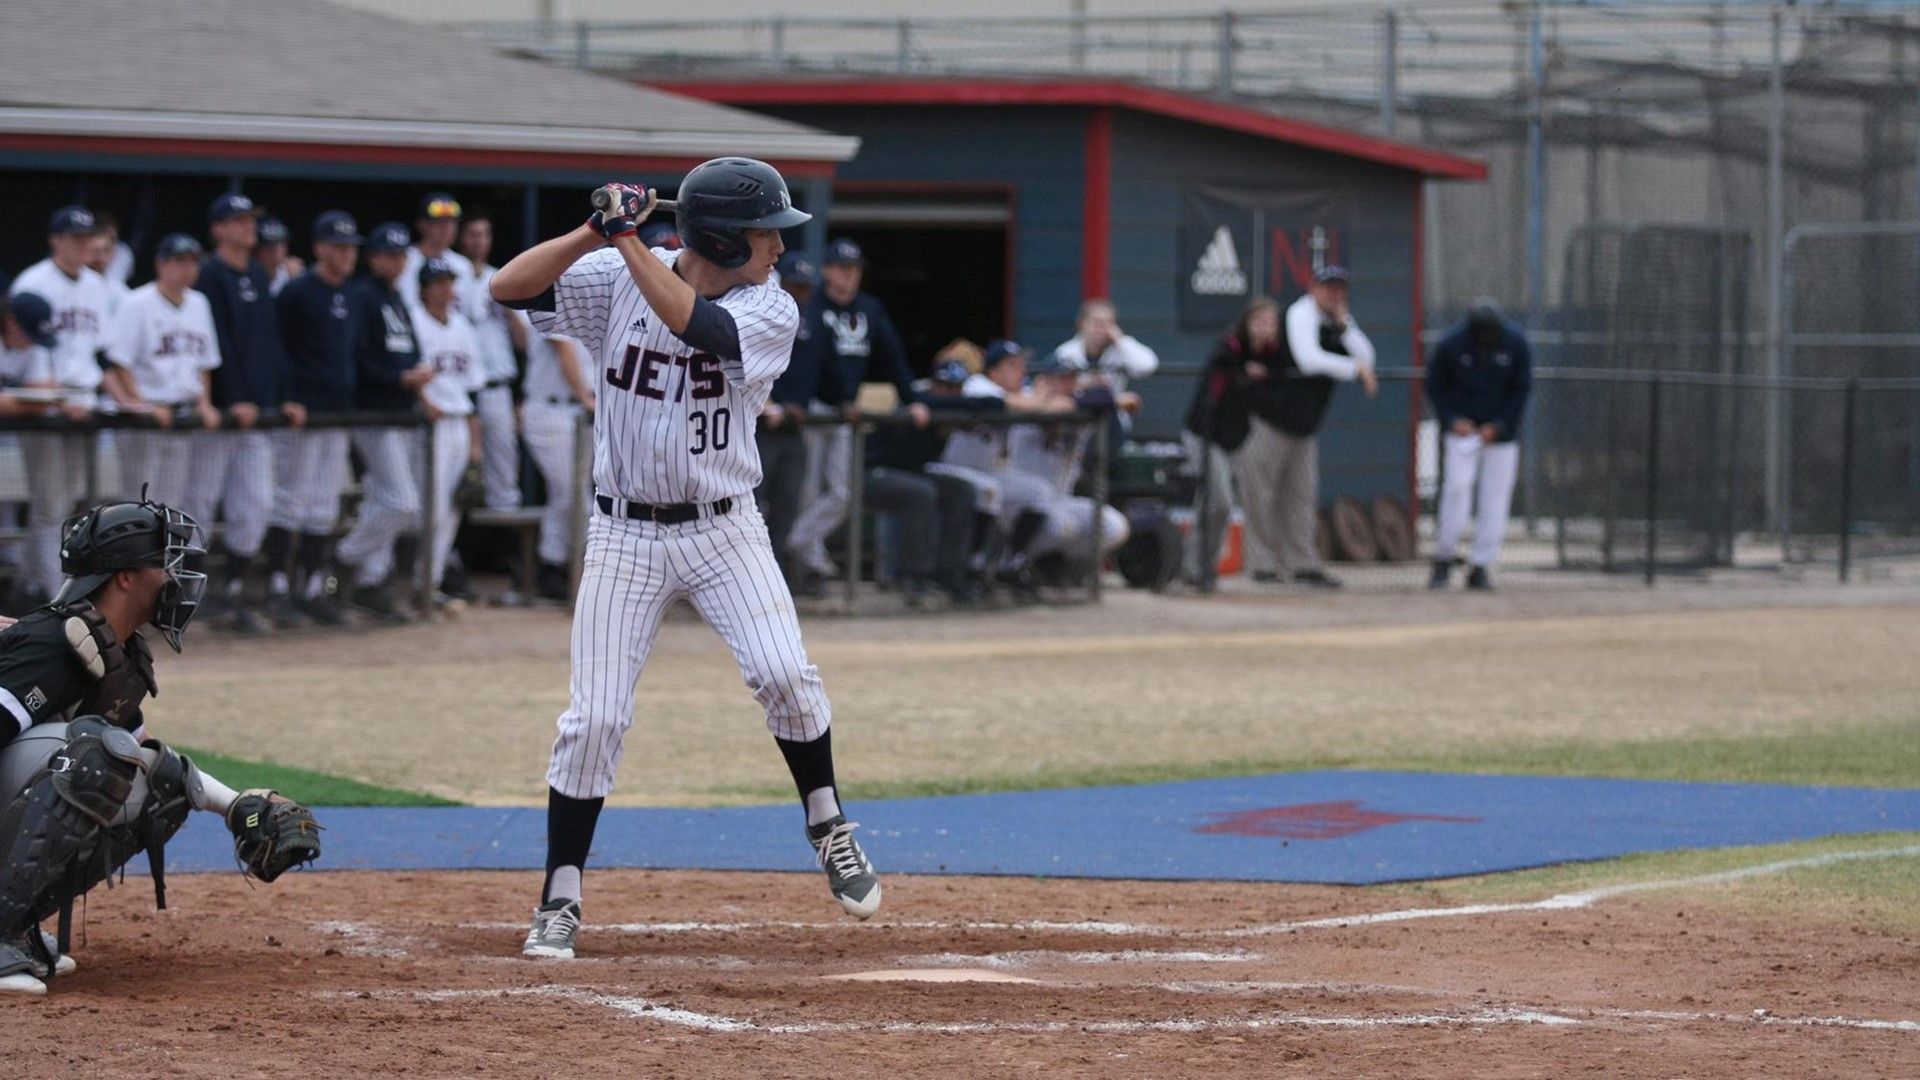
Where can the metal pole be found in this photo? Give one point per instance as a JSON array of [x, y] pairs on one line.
[[1389, 67], [430, 521], [1653, 477], [777, 48], [1779, 478], [1846, 476], [1101, 449], [856, 504], [1077, 49], [1224, 64], [903, 46], [1536, 168], [582, 47], [583, 498]]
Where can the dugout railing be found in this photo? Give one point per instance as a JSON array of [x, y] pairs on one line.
[[858, 545], [108, 446]]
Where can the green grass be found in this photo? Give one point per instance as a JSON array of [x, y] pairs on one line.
[[311, 788]]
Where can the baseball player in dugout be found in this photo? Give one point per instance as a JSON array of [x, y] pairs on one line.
[[388, 374], [688, 344], [85, 785], [1478, 380], [316, 316], [233, 469]]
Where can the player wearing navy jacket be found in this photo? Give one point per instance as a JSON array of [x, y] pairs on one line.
[[1478, 379]]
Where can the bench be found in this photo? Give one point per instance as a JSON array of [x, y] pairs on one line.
[[525, 522]]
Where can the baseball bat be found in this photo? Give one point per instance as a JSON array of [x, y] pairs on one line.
[[603, 201]]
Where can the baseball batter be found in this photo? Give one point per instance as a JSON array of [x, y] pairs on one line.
[[688, 344]]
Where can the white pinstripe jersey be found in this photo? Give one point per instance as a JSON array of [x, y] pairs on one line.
[[453, 350], [674, 425]]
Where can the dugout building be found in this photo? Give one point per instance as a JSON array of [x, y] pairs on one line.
[[995, 207]]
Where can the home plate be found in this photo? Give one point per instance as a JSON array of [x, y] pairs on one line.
[[937, 975]]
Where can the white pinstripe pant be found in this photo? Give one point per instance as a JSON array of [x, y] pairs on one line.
[[635, 571]]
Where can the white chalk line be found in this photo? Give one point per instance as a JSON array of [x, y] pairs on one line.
[[1562, 902], [1022, 958], [1569, 901], [647, 1009]]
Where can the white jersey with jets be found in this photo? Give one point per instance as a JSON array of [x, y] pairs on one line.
[[674, 424]]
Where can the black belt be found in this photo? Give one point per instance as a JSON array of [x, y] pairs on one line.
[[551, 400], [670, 514]]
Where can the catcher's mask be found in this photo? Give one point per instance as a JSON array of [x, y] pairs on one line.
[[98, 543]]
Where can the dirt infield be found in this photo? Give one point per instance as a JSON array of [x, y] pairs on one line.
[[729, 975], [465, 710]]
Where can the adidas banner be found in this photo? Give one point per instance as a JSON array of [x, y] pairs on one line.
[[1236, 244]]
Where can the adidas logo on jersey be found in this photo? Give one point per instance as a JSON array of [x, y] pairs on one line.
[[639, 326], [1218, 272]]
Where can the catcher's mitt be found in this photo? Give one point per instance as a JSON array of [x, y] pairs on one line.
[[272, 833]]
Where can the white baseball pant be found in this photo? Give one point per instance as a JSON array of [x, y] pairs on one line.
[[499, 447], [56, 479], [634, 571], [829, 451], [986, 485], [162, 460], [233, 470], [310, 472], [550, 433], [452, 449], [1488, 469], [1069, 528], [389, 500]]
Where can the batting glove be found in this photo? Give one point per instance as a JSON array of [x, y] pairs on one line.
[[619, 209]]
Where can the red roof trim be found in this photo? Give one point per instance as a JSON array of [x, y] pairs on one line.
[[372, 155], [1087, 93]]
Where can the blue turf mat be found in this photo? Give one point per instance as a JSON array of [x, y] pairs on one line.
[[1350, 828]]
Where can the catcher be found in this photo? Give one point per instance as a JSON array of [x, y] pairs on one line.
[[84, 787]]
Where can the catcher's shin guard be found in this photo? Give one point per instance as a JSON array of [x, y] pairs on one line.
[[54, 831]]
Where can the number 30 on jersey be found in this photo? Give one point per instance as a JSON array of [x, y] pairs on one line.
[[649, 373]]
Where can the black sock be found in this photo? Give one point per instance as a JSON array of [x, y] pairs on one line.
[[811, 764], [309, 556], [275, 549], [1026, 528], [570, 825]]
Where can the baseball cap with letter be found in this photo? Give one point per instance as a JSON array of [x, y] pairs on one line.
[[272, 230], [795, 268], [72, 221], [843, 252], [178, 245], [35, 317], [438, 205], [389, 236], [1330, 275], [950, 372], [999, 349], [231, 205], [436, 270], [337, 227]]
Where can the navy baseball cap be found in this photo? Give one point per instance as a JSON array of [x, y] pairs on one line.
[[844, 251], [438, 204], [35, 316], [1330, 274], [272, 230], [175, 245], [337, 227], [997, 350], [436, 270], [659, 234], [230, 205], [72, 221], [389, 236], [951, 372], [797, 269]]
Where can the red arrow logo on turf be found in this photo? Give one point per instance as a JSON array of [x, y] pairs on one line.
[[1315, 821]]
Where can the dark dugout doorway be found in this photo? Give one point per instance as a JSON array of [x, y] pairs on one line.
[[937, 258]]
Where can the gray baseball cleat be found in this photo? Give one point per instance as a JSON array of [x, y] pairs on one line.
[[19, 971], [555, 924], [849, 875]]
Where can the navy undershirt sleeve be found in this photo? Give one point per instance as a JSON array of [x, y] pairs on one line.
[[711, 329]]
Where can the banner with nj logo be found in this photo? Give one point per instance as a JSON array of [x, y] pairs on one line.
[[1238, 243]]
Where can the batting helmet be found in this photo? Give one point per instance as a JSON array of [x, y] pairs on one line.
[[98, 543], [721, 198]]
